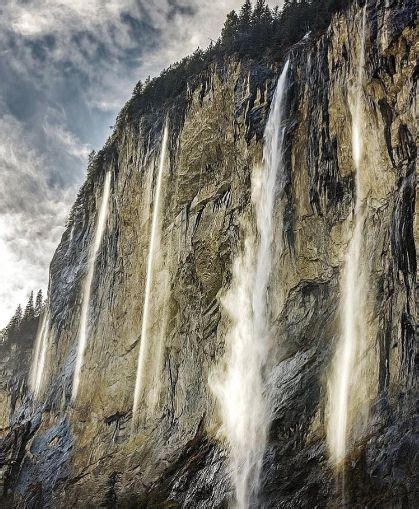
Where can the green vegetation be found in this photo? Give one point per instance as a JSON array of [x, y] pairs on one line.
[[253, 32], [23, 326]]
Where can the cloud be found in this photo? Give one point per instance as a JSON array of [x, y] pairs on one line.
[[67, 141], [32, 214], [67, 67]]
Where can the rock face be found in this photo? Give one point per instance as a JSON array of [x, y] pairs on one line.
[[57, 453]]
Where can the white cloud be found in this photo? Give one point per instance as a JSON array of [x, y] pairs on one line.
[[41, 17], [67, 141], [32, 215]]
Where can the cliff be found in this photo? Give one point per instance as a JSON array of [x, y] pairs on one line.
[[89, 452]]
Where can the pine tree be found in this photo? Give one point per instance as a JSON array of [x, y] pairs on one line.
[[18, 315], [29, 309], [16, 320], [259, 12], [231, 27], [138, 88], [38, 304], [245, 15], [92, 156]]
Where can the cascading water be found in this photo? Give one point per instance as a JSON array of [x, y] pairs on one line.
[[241, 389], [38, 361], [154, 236], [346, 379], [154, 380], [87, 288]]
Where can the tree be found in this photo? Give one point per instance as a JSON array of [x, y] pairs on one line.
[[138, 88], [15, 322], [39, 301], [260, 14], [29, 309], [18, 315], [92, 156], [245, 15], [231, 27]]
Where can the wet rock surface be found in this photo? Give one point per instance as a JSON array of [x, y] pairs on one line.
[[54, 453]]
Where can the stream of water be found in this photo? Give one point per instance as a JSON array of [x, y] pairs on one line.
[[87, 288], [151, 259], [343, 378], [39, 357], [241, 388]]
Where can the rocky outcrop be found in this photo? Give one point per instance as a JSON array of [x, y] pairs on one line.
[[55, 452]]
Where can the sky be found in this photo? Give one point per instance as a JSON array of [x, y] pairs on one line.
[[67, 67]]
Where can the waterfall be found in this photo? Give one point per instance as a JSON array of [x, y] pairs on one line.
[[38, 361], [241, 389], [346, 380], [357, 116], [70, 239], [87, 288], [153, 244]]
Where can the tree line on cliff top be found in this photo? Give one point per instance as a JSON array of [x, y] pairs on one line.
[[253, 32]]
